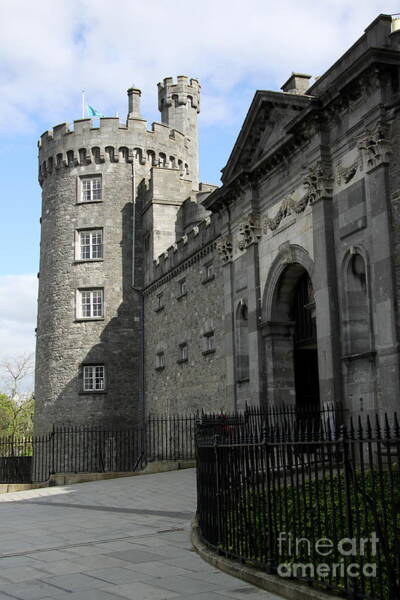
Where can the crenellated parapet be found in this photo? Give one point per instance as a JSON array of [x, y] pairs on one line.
[[112, 141], [199, 241], [180, 93]]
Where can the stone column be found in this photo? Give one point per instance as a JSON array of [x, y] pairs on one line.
[[375, 151], [250, 232], [225, 248], [324, 279]]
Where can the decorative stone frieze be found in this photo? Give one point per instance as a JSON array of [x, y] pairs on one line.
[[346, 174], [250, 231], [225, 248]]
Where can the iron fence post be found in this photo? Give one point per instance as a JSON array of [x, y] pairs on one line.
[[217, 490], [270, 563]]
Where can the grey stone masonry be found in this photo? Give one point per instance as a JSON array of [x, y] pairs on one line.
[[104, 188]]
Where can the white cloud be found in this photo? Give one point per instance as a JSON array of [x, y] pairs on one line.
[[49, 55], [18, 294]]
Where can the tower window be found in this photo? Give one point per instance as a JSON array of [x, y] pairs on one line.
[[90, 244], [90, 189], [90, 304], [94, 378]]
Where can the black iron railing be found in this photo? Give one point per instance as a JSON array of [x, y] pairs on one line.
[[92, 449], [317, 500]]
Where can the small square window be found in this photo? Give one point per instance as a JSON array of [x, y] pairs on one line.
[[90, 244], [94, 378], [209, 342], [90, 304], [183, 353], [90, 189], [160, 360]]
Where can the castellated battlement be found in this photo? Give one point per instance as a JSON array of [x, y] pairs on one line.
[[178, 94], [198, 238], [112, 141]]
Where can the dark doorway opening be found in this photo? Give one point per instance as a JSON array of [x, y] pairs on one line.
[[305, 348]]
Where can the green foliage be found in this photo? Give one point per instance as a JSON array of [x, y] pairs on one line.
[[16, 418]]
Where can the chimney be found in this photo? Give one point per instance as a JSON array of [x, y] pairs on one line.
[[134, 103], [298, 83]]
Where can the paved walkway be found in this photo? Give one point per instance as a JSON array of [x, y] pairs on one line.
[[109, 540]]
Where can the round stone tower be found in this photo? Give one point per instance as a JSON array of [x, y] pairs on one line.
[[95, 185], [179, 104]]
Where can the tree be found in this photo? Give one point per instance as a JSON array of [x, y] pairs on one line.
[[16, 401]]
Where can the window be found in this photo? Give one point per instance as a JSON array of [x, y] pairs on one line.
[[147, 242], [159, 302], [182, 291], [160, 360], [208, 272], [90, 244], [94, 378], [209, 342], [90, 304], [183, 353], [91, 189], [242, 342]]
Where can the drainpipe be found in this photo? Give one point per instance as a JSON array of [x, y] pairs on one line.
[[139, 291], [226, 205]]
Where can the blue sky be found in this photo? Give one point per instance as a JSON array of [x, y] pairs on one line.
[[49, 53]]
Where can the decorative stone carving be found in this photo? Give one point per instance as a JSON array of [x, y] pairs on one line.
[[250, 231], [286, 208], [346, 174], [375, 146], [318, 183], [225, 248]]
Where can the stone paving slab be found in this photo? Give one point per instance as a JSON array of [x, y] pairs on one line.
[[109, 540]]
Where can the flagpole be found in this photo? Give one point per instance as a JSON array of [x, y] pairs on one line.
[[83, 104]]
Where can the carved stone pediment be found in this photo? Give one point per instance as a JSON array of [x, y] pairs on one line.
[[250, 231], [225, 248], [263, 129], [375, 147]]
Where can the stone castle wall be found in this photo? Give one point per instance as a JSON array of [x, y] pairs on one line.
[[173, 319]]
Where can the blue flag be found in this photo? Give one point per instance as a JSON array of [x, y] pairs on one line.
[[93, 112]]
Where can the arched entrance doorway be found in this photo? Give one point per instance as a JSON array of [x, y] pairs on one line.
[[291, 354], [305, 353]]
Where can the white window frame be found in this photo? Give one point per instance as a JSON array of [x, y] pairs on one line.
[[92, 233], [88, 301], [90, 189], [94, 378]]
